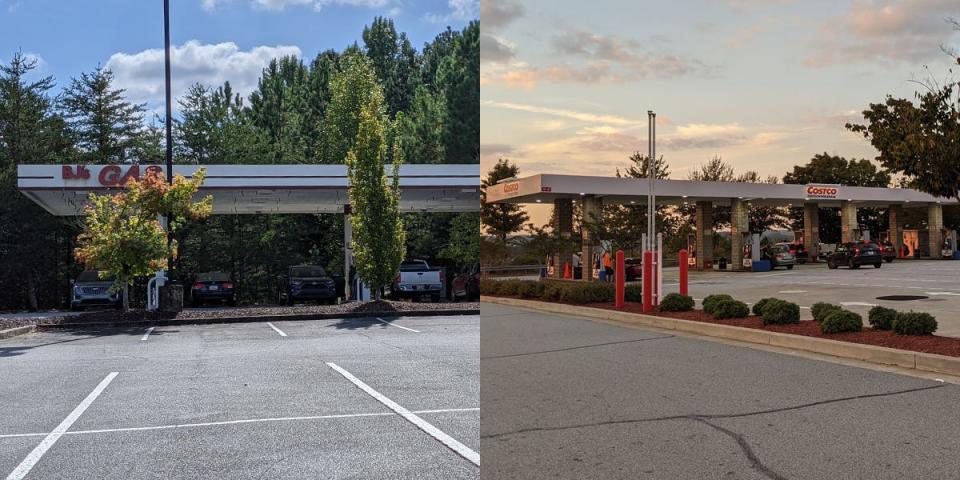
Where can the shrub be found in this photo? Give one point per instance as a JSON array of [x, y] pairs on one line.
[[914, 323], [509, 287], [674, 302], [530, 289], [633, 293], [780, 312], [711, 300], [551, 290], [730, 309], [489, 287], [758, 307], [821, 310], [838, 321], [881, 318]]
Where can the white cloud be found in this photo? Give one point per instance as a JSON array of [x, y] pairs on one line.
[[280, 5], [459, 10], [141, 73], [556, 112], [884, 30]]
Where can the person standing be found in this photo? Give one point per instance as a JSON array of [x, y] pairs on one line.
[[608, 266]]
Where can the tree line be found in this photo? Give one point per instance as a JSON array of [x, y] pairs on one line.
[[430, 101]]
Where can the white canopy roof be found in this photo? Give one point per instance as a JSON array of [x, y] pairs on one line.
[[239, 189], [546, 188]]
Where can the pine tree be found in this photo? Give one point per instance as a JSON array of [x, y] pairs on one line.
[[501, 219], [395, 62], [422, 130], [106, 127]]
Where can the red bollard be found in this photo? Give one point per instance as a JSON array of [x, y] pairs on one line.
[[621, 277], [683, 272], [647, 281]]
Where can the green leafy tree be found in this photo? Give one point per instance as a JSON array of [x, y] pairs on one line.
[[422, 130], [464, 244], [351, 89], [458, 78], [501, 219], [123, 237], [106, 127], [920, 141], [395, 62], [378, 235]]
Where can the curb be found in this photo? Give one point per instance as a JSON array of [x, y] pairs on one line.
[[13, 332], [928, 362], [257, 318]]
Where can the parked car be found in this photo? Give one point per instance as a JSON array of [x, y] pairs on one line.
[[466, 285], [888, 251], [854, 255], [306, 282], [632, 269], [417, 280], [779, 256], [89, 290], [213, 287], [798, 250]]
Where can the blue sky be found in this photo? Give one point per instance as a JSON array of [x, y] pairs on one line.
[[766, 84], [215, 40]]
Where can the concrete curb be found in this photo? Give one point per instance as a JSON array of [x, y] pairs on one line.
[[260, 318], [13, 332], [927, 362]]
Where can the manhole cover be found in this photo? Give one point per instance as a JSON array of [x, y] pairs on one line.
[[902, 298]]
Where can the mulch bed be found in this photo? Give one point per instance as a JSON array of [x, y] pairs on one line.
[[882, 338], [133, 316]]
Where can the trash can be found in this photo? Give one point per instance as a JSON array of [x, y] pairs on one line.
[[723, 263], [171, 300]]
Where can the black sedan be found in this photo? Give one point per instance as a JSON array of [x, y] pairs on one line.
[[212, 287], [854, 255]]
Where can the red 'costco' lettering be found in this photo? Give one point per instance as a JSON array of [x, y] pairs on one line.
[[815, 191]]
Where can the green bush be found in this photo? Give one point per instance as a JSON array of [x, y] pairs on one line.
[[881, 318], [821, 310], [633, 293], [587, 292], [489, 287], [711, 300], [674, 302], [758, 307], [914, 323], [838, 321], [780, 312], [510, 287], [730, 309], [530, 289]]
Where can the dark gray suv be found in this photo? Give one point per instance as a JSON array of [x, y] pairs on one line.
[[89, 290]]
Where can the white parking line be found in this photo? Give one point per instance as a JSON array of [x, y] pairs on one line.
[[236, 422], [145, 335], [398, 326], [461, 449], [34, 456], [274, 327]]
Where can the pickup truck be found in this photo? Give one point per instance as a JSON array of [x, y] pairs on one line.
[[416, 280]]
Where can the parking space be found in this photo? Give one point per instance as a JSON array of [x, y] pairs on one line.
[[585, 399], [242, 400]]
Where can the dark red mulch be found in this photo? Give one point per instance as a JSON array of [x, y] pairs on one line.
[[949, 346]]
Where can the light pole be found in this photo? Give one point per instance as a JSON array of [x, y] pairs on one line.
[[169, 120]]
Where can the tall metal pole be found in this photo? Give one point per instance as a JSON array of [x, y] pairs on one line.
[[169, 119], [651, 175]]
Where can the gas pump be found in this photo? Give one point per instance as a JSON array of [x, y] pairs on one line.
[[747, 251], [949, 243], [692, 250]]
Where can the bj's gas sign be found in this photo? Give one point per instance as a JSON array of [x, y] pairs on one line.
[[108, 175], [821, 191]]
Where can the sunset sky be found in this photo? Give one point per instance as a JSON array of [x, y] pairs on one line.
[[765, 84]]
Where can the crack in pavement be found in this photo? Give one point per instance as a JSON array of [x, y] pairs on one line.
[[699, 417], [493, 357], [748, 452], [745, 447]]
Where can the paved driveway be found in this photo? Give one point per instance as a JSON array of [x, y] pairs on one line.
[[359, 398], [569, 398]]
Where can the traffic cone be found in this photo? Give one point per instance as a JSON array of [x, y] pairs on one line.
[[566, 271]]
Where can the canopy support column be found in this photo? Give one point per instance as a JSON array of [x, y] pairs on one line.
[[811, 231], [592, 211], [935, 227], [704, 218], [849, 227], [739, 225]]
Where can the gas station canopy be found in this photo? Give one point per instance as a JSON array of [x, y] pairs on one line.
[[247, 189], [545, 188]]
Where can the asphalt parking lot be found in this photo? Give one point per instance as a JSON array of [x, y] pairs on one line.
[[857, 290], [357, 398], [570, 398]]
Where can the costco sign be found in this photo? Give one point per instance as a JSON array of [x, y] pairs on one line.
[[822, 191]]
